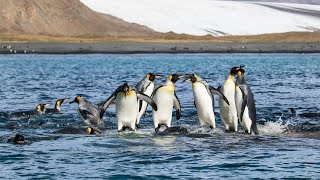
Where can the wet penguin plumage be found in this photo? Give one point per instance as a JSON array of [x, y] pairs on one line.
[[228, 113], [146, 86], [127, 99], [57, 106], [245, 104], [204, 100], [165, 97], [40, 109], [89, 113]]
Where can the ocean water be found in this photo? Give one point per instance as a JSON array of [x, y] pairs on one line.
[[288, 146]]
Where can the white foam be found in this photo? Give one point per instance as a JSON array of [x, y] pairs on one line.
[[273, 128]]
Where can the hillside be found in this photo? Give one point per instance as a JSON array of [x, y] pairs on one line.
[[68, 18], [218, 18]]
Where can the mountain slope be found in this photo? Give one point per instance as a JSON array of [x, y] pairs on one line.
[[62, 18], [219, 18]]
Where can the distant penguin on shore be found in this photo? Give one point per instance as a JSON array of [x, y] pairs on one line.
[[228, 112], [127, 105], [245, 103], [57, 106], [146, 86], [204, 100], [165, 97]]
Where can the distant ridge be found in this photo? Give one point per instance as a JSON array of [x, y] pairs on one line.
[[69, 18]]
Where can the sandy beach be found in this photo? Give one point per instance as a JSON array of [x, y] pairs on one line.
[[156, 47]]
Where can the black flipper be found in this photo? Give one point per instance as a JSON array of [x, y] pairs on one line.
[[140, 105], [176, 104], [217, 92], [85, 113], [243, 106], [147, 99], [194, 102]]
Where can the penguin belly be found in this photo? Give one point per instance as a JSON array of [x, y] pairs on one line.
[[164, 100], [245, 121], [126, 110], [228, 113], [204, 105], [148, 92]]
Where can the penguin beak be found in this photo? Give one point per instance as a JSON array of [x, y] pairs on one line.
[[157, 76], [188, 79], [182, 75], [72, 101], [64, 100], [46, 105]]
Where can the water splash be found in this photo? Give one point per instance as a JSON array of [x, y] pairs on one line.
[[273, 127]]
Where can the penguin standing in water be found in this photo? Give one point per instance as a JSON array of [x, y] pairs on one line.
[[127, 105], [57, 106], [228, 112], [203, 99], [89, 113], [165, 97], [145, 86], [245, 104], [40, 109]]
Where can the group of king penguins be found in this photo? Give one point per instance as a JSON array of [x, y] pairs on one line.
[[236, 103]]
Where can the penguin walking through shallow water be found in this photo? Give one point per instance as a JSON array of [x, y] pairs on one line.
[[245, 104], [204, 100], [228, 113], [165, 97], [89, 113], [146, 86], [40, 109], [57, 106], [127, 99]]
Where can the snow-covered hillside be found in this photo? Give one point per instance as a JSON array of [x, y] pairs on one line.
[[201, 17]]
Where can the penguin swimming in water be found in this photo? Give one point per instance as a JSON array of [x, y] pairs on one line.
[[245, 104], [165, 97], [40, 109], [203, 99], [89, 113], [16, 139], [57, 106], [228, 113], [127, 105], [146, 86]]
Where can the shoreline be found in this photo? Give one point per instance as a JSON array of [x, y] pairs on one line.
[[156, 47]]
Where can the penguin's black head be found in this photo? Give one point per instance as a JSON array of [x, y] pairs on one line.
[[152, 76], [18, 139], [41, 107], [192, 78], [241, 71], [175, 77], [234, 71], [76, 100], [125, 88], [60, 101]]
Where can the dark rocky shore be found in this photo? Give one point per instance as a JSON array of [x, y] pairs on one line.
[[155, 47]]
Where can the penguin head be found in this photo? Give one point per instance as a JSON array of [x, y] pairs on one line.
[[192, 78], [41, 107], [76, 100], [91, 130], [18, 139], [241, 71], [234, 71], [152, 76], [175, 77], [125, 88], [60, 101]]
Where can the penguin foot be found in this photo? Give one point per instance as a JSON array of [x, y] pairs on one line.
[[138, 126], [211, 127], [156, 130]]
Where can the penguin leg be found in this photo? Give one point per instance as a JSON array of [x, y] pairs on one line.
[[157, 129], [138, 126]]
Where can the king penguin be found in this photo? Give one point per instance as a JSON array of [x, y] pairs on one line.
[[204, 100], [146, 86], [127, 105], [245, 104], [165, 97], [57, 106], [228, 113], [40, 109], [89, 113]]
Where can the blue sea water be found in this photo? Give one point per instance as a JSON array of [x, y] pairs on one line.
[[288, 146]]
